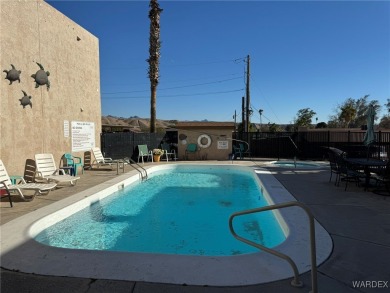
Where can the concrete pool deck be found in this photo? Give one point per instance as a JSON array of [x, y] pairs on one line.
[[358, 222]]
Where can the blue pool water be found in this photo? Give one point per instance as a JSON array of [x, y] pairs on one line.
[[184, 210], [292, 164]]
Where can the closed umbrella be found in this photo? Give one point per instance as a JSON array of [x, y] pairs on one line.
[[369, 136]]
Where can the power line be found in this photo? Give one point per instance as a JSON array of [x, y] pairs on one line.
[[201, 78], [177, 87], [178, 95], [168, 65], [163, 80], [202, 63], [277, 118], [262, 115]]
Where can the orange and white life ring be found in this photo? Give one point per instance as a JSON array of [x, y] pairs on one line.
[[201, 140]]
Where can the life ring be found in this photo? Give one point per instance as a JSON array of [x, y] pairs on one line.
[[207, 144]]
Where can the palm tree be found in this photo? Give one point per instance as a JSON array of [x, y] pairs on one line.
[[388, 106], [348, 113], [154, 56]]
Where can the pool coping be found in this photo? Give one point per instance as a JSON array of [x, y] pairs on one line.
[[20, 252]]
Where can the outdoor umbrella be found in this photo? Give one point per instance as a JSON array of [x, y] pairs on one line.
[[369, 136]]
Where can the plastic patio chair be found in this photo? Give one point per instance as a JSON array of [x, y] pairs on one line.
[[68, 160], [168, 152], [192, 148], [144, 152]]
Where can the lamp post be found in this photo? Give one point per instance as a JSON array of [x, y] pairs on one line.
[[260, 112]]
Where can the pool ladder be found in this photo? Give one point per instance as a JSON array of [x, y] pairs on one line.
[[142, 171], [295, 282]]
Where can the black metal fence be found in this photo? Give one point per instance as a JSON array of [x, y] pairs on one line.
[[302, 144], [313, 144], [119, 145]]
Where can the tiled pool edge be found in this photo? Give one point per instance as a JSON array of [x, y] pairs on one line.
[[19, 253]]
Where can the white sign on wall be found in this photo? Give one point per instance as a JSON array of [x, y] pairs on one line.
[[223, 144], [66, 128], [83, 136]]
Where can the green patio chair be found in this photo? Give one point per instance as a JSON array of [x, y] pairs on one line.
[[192, 148], [241, 150], [144, 152]]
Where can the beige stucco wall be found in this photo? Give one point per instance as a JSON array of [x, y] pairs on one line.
[[30, 32], [210, 153]]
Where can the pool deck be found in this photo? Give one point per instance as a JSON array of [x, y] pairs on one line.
[[357, 220]]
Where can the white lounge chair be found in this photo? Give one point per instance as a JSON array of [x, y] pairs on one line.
[[19, 189], [48, 172], [100, 160]]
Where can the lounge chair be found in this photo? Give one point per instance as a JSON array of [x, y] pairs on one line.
[[48, 172], [168, 152], [29, 171], [100, 160], [19, 189], [192, 148], [144, 152]]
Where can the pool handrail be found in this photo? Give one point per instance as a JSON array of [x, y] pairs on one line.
[[295, 282], [131, 162]]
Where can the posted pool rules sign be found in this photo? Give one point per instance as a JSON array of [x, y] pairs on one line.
[[83, 136]]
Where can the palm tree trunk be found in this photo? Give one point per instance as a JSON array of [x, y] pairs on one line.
[[153, 96], [154, 56]]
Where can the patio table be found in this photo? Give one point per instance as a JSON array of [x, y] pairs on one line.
[[366, 164]]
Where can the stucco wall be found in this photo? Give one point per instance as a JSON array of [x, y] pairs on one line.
[[222, 135], [30, 32]]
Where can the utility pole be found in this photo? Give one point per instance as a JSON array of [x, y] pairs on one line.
[[234, 117], [243, 128], [248, 99]]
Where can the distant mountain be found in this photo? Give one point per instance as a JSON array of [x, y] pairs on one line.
[[136, 123]]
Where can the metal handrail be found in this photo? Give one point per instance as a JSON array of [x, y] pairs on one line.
[[131, 162], [296, 147], [295, 282]]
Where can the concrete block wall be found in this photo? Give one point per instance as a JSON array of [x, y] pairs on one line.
[[30, 32], [221, 140]]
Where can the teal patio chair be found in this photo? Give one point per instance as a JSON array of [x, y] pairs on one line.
[[241, 150], [192, 148], [71, 161]]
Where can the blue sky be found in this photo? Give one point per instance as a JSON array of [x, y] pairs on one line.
[[304, 54]]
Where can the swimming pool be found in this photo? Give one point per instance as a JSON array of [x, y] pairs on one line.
[[180, 210], [19, 250]]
